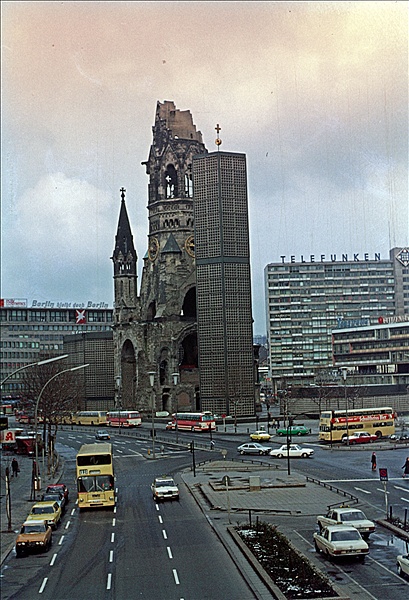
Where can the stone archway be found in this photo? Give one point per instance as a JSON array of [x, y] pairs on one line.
[[128, 371]]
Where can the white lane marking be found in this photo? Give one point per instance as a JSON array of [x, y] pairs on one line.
[[109, 581], [114, 509], [405, 499], [119, 451], [381, 490], [361, 490], [113, 522], [116, 491], [169, 551], [112, 537], [41, 590], [164, 534], [160, 519], [397, 487], [157, 507], [111, 556], [175, 575], [73, 512], [61, 540], [53, 560], [134, 451], [68, 524]]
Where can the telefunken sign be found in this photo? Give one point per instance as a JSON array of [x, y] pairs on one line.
[[332, 258]]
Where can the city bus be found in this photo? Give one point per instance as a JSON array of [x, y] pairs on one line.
[[193, 421], [95, 476], [89, 417], [124, 418], [379, 421]]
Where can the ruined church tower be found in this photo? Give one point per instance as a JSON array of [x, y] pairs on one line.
[[155, 331]]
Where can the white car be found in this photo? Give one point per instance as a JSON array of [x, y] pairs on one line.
[[347, 516], [253, 448], [338, 541], [294, 450], [164, 488], [402, 562]]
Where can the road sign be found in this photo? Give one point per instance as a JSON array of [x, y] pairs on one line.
[[383, 474]]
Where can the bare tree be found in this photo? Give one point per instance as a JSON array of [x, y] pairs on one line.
[[59, 398]]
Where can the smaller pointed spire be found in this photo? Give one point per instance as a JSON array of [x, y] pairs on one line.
[[124, 251]]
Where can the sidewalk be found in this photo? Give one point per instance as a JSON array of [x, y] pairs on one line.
[[20, 492]]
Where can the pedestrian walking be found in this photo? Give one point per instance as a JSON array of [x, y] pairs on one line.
[[373, 461], [406, 467], [14, 468], [211, 445]]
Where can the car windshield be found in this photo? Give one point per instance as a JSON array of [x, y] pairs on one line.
[[42, 510], [345, 536], [33, 528], [357, 515], [164, 483]]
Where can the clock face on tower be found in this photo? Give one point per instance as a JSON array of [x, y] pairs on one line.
[[153, 249], [190, 245]]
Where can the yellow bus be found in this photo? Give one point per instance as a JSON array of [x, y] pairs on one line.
[[95, 476], [89, 417], [379, 421]]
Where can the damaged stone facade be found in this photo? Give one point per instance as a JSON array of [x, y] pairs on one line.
[[156, 331]]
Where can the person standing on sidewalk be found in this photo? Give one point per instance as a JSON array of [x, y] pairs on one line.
[[373, 461], [406, 467], [14, 467]]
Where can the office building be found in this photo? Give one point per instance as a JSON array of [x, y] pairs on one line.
[[306, 299]]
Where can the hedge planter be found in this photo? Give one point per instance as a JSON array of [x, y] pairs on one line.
[[288, 574]]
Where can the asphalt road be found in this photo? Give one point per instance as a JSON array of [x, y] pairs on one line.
[[144, 550]]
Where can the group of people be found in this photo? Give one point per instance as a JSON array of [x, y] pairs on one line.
[[405, 466]]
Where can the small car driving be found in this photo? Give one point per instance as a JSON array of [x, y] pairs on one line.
[[102, 435], [347, 516], [260, 435], [360, 437], [59, 487], [293, 450], [293, 430], [49, 511], [164, 488], [338, 541], [253, 448], [34, 535]]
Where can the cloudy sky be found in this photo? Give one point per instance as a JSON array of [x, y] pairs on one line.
[[314, 93]]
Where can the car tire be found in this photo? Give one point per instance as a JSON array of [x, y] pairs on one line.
[[400, 572], [280, 455], [260, 452], [299, 433], [317, 548], [242, 452], [280, 434], [304, 455]]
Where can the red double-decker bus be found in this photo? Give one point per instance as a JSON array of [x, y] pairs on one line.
[[193, 421]]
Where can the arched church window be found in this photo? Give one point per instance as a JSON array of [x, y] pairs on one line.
[[171, 182], [189, 182]]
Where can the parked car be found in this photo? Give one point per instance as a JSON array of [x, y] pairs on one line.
[[294, 451], [59, 487], [293, 430], [54, 497], [253, 448], [360, 437], [34, 535], [340, 541], [164, 488], [402, 562], [49, 511], [399, 437], [170, 426], [102, 435], [260, 435], [347, 516]]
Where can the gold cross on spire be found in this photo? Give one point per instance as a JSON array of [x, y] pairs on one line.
[[217, 140]]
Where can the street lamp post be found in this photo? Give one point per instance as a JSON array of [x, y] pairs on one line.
[[41, 362], [344, 372], [35, 479], [175, 377], [152, 382]]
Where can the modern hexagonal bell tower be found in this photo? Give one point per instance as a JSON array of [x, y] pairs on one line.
[[155, 332]]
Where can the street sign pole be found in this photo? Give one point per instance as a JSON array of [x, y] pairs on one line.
[[383, 476]]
